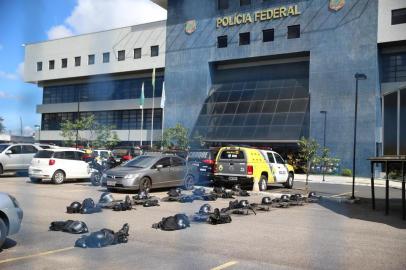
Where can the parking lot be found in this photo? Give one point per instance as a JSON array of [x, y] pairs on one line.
[[325, 235]]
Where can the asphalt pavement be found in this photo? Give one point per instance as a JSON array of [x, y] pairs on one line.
[[332, 234]]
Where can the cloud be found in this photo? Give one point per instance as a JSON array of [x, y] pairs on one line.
[[91, 16], [28, 131], [8, 76], [59, 31], [5, 95]]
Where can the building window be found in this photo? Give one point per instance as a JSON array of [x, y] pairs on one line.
[[222, 4], [245, 38], [121, 55], [245, 2], [398, 16], [106, 57], [154, 51], [39, 66], [222, 42], [64, 62], [137, 53], [90, 59], [77, 61], [394, 67], [394, 123], [268, 35], [51, 64], [294, 31]]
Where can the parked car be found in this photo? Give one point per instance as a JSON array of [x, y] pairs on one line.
[[46, 146], [58, 165], [16, 157], [243, 165], [11, 216], [146, 172], [200, 165], [123, 154], [283, 172]]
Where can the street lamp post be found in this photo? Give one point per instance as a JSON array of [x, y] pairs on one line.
[[357, 76], [324, 141]]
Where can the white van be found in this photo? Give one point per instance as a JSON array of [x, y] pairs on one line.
[[58, 165]]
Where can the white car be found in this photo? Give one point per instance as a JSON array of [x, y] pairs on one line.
[[278, 166], [58, 165]]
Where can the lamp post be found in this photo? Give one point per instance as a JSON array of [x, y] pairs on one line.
[[39, 132], [324, 141], [357, 76]]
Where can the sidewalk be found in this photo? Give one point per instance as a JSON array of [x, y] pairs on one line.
[[344, 180]]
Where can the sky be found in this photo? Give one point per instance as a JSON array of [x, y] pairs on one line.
[[29, 21]]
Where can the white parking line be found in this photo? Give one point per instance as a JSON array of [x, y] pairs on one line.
[[224, 266]]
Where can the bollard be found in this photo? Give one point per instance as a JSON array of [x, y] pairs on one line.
[[255, 187]]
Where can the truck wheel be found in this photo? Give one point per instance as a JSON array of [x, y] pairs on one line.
[[58, 177], [35, 180], [289, 181], [145, 184], [189, 182], [3, 232], [263, 183]]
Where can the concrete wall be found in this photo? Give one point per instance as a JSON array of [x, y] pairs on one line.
[[386, 31], [340, 43], [127, 38]]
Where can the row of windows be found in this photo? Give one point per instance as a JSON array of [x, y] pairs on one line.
[[398, 16], [91, 58], [224, 4], [99, 91], [119, 120], [268, 35], [394, 67]]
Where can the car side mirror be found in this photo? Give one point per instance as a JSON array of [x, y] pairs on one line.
[[9, 152], [159, 167]]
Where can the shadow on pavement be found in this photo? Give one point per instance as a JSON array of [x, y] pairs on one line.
[[362, 210], [9, 243]]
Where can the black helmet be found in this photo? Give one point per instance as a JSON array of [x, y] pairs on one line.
[[106, 198], [182, 221], [76, 205], [236, 187], [285, 197], [244, 203], [266, 200], [312, 194], [74, 208], [142, 195], [205, 209], [77, 227], [295, 197]]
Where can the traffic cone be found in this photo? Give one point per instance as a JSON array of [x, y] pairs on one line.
[[255, 187]]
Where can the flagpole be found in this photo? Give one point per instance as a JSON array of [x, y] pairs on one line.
[[163, 114], [142, 97], [153, 106]]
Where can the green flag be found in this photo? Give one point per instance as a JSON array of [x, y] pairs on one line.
[[142, 98]]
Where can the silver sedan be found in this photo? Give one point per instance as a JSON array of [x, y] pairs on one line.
[[148, 171], [11, 216]]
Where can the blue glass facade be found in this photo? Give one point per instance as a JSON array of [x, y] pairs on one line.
[[335, 44]]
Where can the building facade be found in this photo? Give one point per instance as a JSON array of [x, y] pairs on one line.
[[253, 72], [260, 72], [101, 74]]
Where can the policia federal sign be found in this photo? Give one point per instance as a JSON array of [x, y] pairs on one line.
[[258, 16]]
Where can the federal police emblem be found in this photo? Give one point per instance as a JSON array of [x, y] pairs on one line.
[[190, 26], [336, 5]]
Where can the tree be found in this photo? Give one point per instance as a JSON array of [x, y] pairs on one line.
[[105, 137], [2, 127], [176, 137], [308, 153], [96, 135]]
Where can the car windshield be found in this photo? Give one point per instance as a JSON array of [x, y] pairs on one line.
[[120, 152], [3, 146], [140, 162], [198, 155]]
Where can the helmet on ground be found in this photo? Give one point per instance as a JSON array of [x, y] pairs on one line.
[[75, 206], [106, 198], [205, 209], [312, 194], [244, 203], [266, 200]]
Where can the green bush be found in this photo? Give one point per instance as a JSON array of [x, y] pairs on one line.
[[346, 172]]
